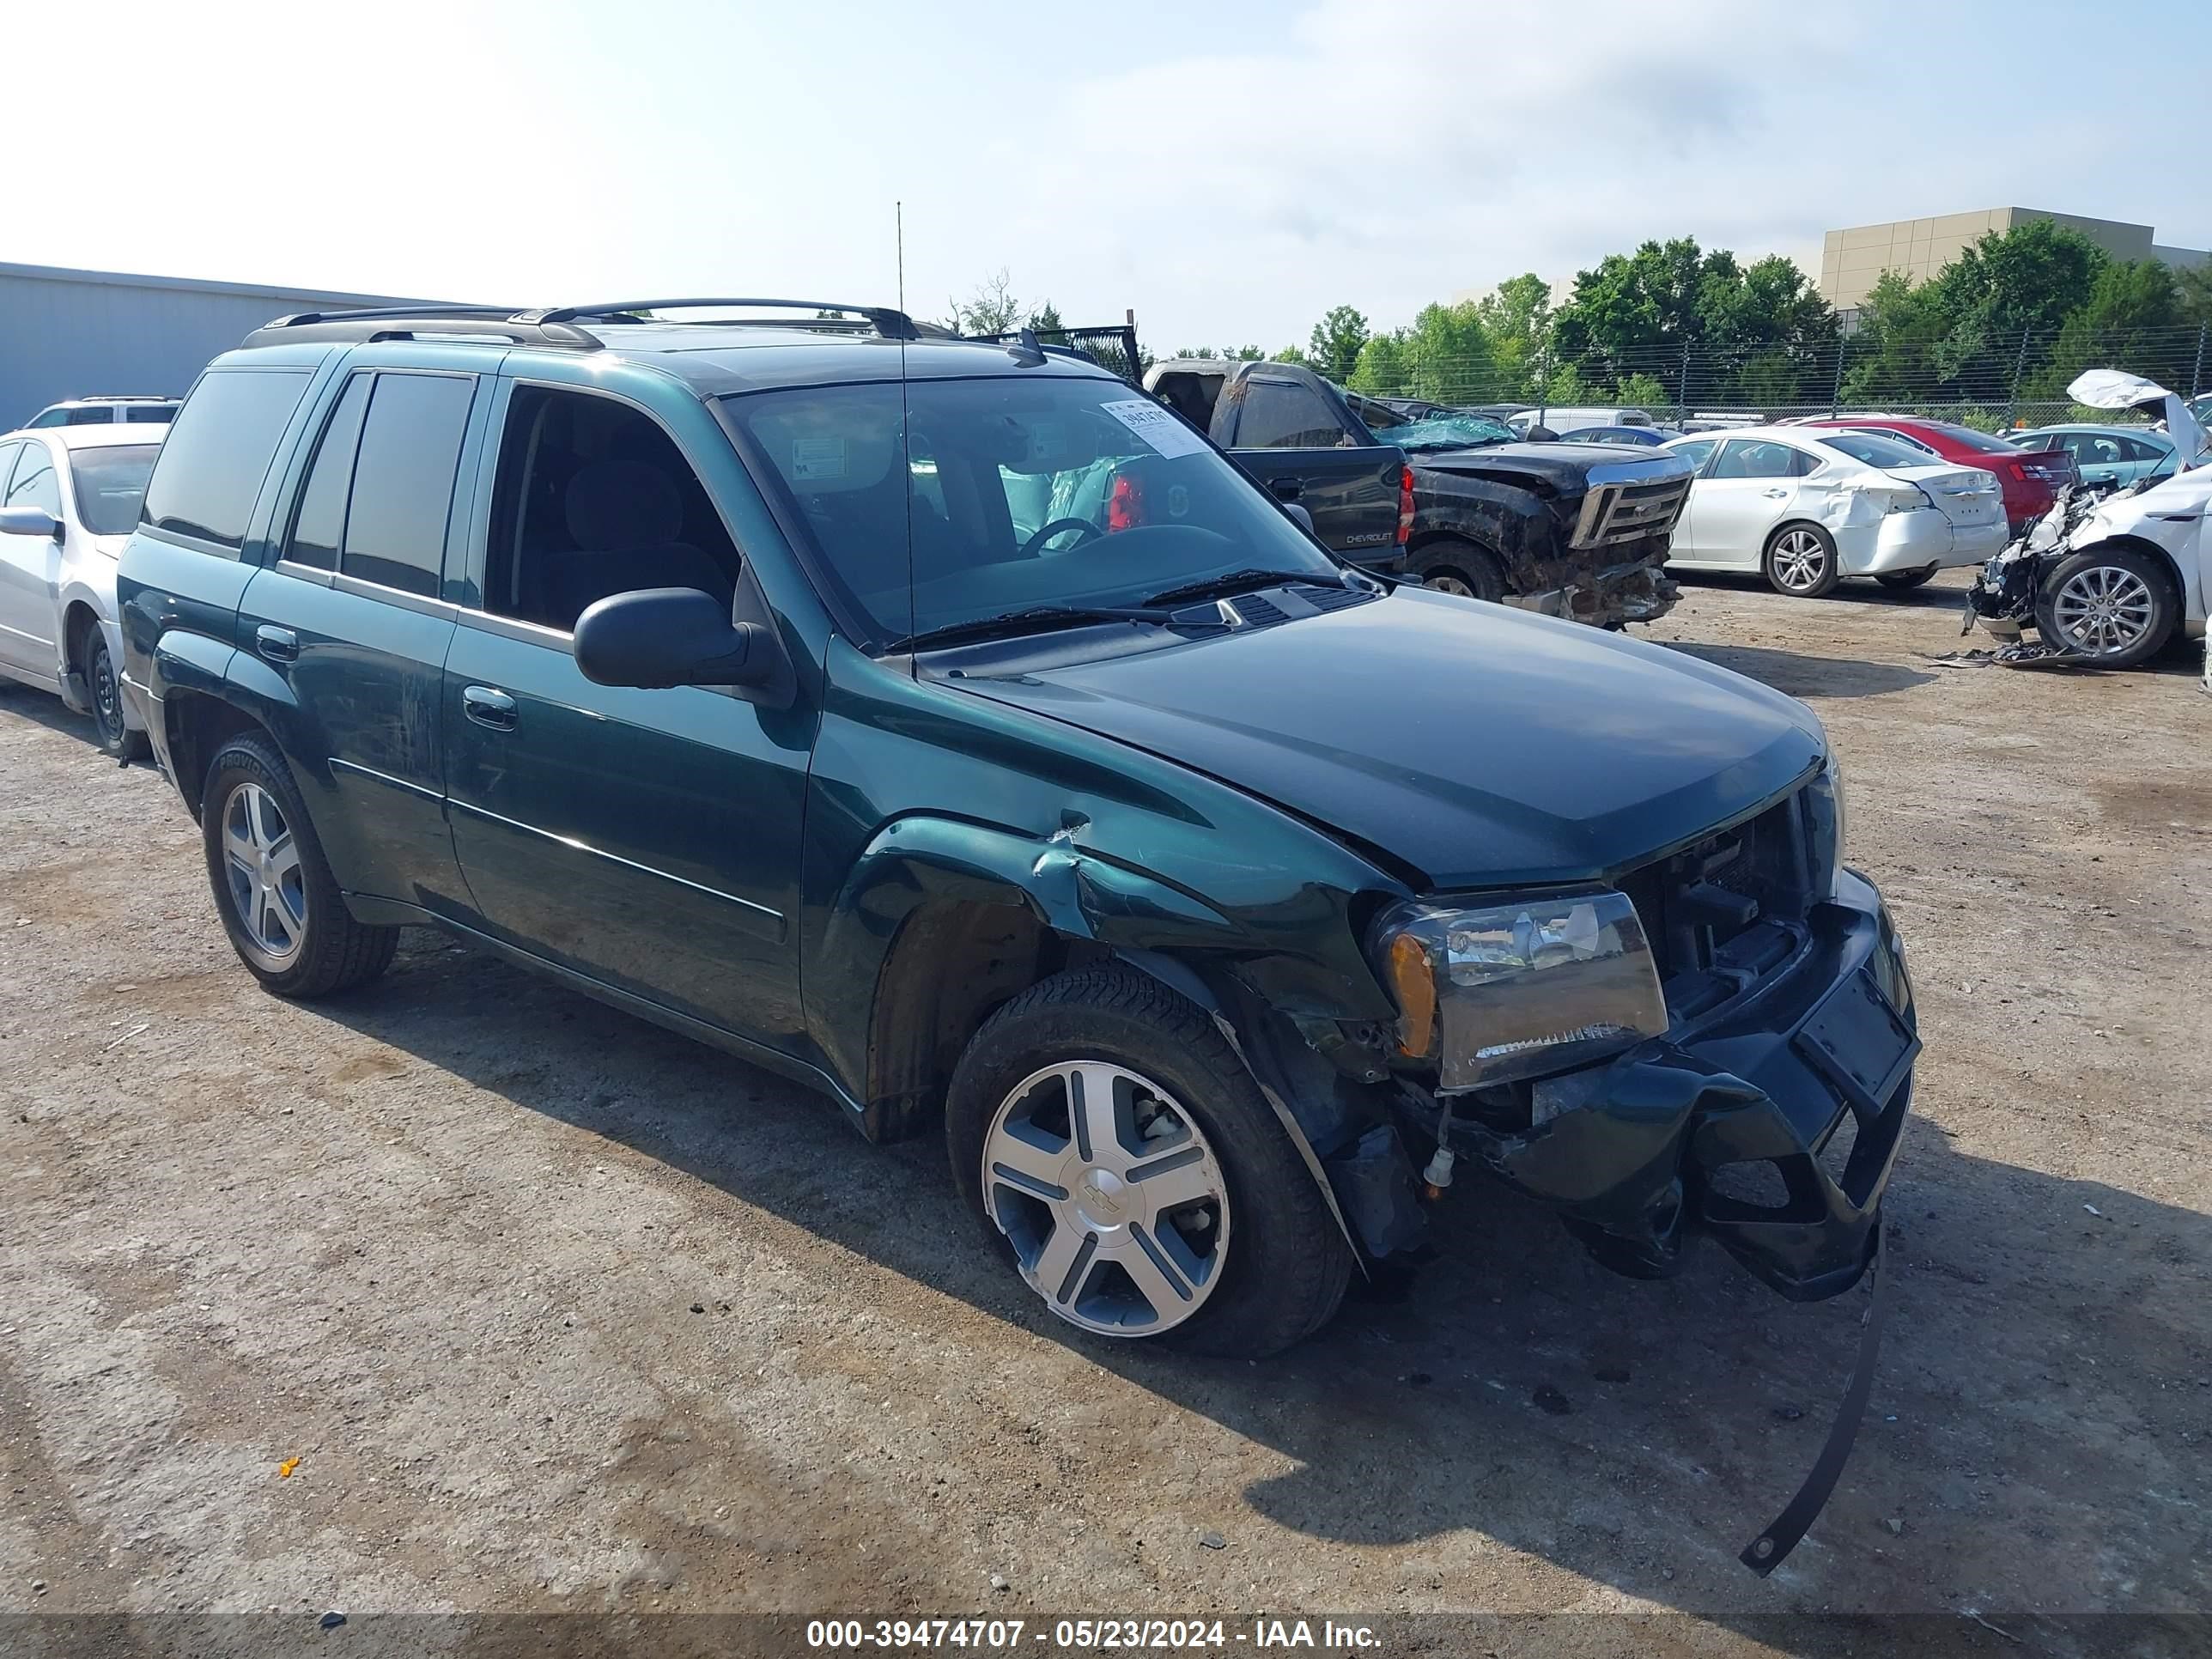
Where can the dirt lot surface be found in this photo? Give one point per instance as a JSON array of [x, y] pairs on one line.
[[557, 1311]]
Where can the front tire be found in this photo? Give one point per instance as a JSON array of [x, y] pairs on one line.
[[104, 691], [273, 888], [1117, 1150], [2113, 605], [1800, 562], [1452, 566]]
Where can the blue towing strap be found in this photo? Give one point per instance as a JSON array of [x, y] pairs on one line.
[[1772, 1547]]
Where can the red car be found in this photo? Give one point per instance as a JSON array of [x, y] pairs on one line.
[[2028, 478]]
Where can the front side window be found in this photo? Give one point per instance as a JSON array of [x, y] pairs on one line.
[[218, 452], [49, 417], [90, 415], [594, 499], [1761, 458], [952, 502], [34, 483], [1277, 415], [403, 480], [110, 483]]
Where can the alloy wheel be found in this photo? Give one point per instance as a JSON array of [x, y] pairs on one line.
[[261, 866], [1800, 561], [2103, 610], [1449, 585], [1111, 1195]]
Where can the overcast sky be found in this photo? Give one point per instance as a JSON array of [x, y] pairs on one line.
[[1228, 168]]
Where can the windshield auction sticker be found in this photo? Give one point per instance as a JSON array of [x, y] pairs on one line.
[[1161, 432], [817, 458]]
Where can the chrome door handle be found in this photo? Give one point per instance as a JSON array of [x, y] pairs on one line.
[[277, 644], [488, 707]]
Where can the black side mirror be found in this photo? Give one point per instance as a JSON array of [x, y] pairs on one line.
[[663, 636], [30, 521]]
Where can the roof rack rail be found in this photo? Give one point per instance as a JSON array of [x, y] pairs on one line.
[[556, 326], [891, 323]]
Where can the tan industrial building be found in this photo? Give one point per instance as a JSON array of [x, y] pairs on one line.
[[1853, 261]]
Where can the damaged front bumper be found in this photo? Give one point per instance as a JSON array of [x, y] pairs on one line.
[[1636, 591], [1771, 1127]]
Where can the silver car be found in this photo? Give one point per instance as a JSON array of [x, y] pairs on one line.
[[69, 500]]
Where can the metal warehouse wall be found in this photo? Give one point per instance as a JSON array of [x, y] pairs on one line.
[[94, 333]]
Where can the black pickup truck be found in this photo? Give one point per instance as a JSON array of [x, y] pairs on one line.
[[1569, 529]]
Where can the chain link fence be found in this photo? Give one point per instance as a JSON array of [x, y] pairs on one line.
[[1990, 382], [1112, 348]]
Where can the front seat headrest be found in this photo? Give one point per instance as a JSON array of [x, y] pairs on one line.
[[617, 505]]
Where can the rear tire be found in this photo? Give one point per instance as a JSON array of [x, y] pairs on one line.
[[1279, 1265], [1453, 566], [1800, 562], [273, 888], [1899, 580], [2114, 605]]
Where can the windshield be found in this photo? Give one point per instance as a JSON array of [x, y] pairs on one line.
[[1452, 432], [1020, 493], [1876, 449], [110, 483]]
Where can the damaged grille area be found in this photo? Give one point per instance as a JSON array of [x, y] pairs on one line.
[[1726, 911], [1617, 513]]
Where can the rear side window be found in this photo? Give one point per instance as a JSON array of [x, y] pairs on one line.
[[1280, 416], [319, 524], [219, 450], [150, 414], [403, 480], [1760, 458]]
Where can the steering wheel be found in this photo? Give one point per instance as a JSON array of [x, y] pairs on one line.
[[1034, 545]]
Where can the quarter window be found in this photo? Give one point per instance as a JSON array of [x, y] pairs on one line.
[[218, 452], [403, 480], [34, 483], [1277, 415]]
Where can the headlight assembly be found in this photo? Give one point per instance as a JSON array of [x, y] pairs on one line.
[[1520, 987], [1824, 824]]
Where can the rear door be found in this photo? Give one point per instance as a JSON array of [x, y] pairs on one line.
[[1287, 433], [353, 618]]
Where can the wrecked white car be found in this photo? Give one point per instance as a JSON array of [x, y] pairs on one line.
[[2110, 578], [1807, 508]]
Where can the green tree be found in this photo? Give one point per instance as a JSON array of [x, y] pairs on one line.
[[1045, 321], [2133, 320], [2004, 300], [1337, 338], [991, 309], [1290, 354], [1891, 358], [1517, 317], [1385, 369], [2193, 288], [1451, 356], [1642, 392]]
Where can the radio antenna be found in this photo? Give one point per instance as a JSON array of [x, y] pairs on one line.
[[898, 223]]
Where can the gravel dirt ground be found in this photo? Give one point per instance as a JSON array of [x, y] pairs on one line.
[[465, 1293]]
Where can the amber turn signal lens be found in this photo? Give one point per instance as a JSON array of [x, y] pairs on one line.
[[1414, 983]]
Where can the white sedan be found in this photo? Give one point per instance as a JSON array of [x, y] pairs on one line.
[[69, 500], [1808, 508]]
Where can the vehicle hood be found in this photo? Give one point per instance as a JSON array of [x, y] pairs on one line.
[[1554, 469], [2167, 512], [1477, 744]]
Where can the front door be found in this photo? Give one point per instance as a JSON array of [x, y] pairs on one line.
[[1751, 488], [28, 564], [649, 839], [353, 619]]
